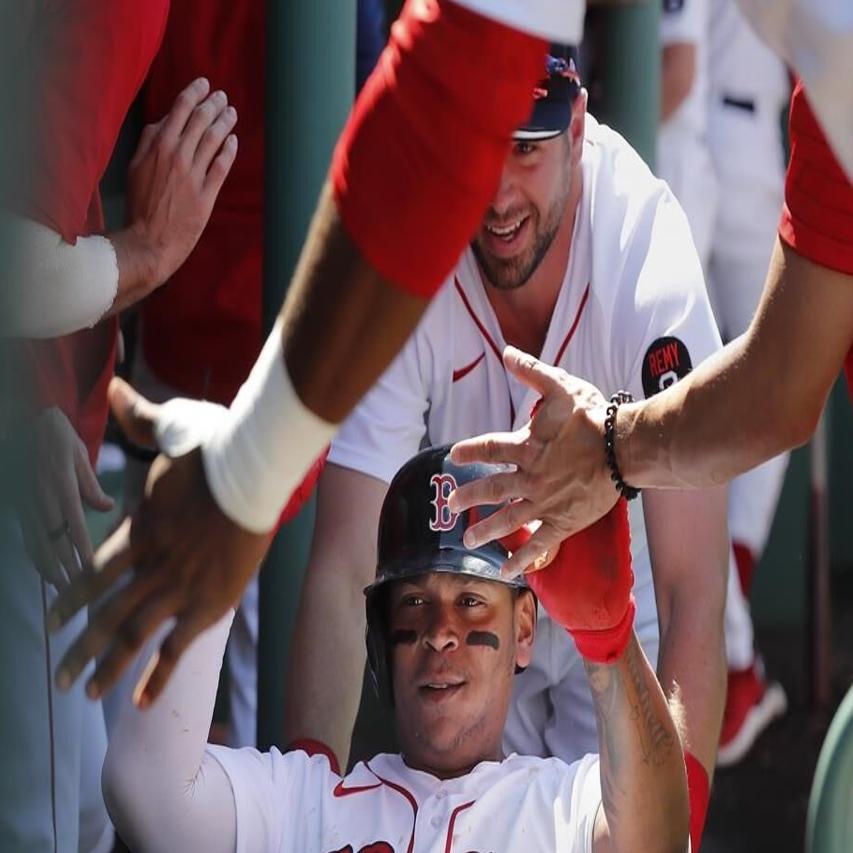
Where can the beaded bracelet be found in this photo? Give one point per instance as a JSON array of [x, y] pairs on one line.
[[627, 492]]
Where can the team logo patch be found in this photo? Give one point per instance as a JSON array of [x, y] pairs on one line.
[[666, 361], [442, 518]]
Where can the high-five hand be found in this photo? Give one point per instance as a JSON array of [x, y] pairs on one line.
[[561, 476]]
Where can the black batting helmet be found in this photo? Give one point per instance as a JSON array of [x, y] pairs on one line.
[[418, 533]]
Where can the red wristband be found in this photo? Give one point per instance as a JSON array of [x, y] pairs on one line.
[[420, 158], [699, 793], [607, 646]]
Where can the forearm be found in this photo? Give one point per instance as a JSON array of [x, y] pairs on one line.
[[762, 394], [162, 790], [692, 673], [643, 783], [327, 662], [341, 318], [53, 288]]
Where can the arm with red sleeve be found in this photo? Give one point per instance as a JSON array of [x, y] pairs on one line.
[[66, 275]]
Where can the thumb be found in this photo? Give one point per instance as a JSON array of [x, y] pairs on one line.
[[536, 374], [134, 414]]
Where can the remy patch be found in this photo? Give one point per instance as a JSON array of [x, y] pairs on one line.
[[483, 638], [666, 361]]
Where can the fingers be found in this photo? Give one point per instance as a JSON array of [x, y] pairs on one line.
[[220, 167], [172, 126], [540, 376], [126, 632], [505, 521], [494, 447], [535, 554], [105, 629], [488, 491], [135, 415], [38, 550], [113, 558], [157, 674], [202, 118], [213, 137], [146, 139]]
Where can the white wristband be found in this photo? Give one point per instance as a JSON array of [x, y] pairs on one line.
[[261, 451], [51, 288]]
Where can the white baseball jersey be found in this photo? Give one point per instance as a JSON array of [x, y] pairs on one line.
[[632, 314], [683, 159], [294, 803]]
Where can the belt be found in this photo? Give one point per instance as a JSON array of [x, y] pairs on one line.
[[745, 104]]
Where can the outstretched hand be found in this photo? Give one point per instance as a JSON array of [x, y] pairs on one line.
[[58, 481], [560, 477], [184, 559]]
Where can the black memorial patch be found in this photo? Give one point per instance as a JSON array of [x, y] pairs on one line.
[[665, 362]]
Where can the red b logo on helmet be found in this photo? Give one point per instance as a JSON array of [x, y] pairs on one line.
[[442, 518]]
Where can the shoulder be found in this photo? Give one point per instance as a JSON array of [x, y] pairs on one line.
[[621, 186]]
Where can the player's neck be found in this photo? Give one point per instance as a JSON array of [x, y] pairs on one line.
[[451, 772], [524, 313]]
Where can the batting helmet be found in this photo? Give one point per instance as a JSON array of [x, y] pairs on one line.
[[417, 534]]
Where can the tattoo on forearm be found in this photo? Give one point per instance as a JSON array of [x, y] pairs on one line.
[[606, 686], [618, 698], [657, 742]]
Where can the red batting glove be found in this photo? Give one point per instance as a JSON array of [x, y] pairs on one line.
[[587, 587]]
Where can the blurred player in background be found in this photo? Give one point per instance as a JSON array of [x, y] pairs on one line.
[[749, 89], [682, 157], [61, 294]]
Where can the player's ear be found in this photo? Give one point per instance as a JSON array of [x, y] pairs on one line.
[[525, 628]]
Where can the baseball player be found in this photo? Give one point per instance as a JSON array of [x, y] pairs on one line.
[[586, 258], [749, 88], [446, 632], [215, 504], [682, 157]]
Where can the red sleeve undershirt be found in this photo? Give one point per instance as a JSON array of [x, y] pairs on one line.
[[817, 218]]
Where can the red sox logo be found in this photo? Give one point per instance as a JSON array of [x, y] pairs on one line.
[[442, 518]]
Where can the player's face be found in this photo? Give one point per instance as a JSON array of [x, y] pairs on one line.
[[456, 642], [527, 211]]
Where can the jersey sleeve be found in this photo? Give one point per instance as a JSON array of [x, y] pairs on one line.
[[682, 21], [817, 217], [277, 797], [663, 323], [94, 57], [582, 792], [388, 425]]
